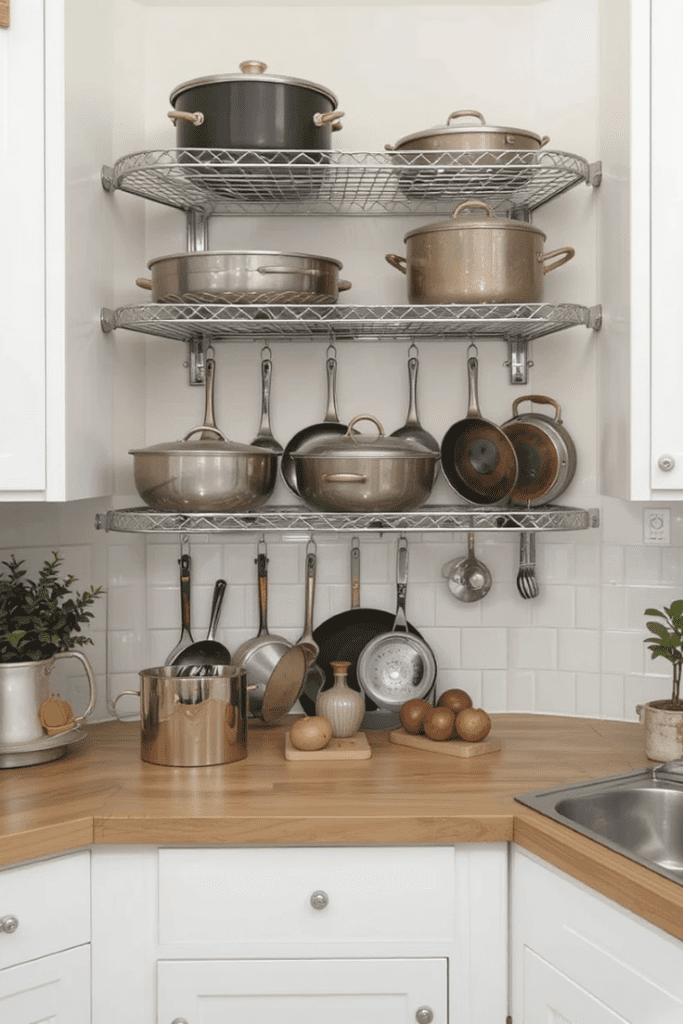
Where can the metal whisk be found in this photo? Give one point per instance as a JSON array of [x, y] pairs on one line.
[[527, 584]]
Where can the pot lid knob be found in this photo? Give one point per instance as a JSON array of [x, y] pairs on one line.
[[253, 67]]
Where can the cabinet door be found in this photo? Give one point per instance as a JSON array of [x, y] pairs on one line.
[[550, 997], [301, 991], [55, 988]]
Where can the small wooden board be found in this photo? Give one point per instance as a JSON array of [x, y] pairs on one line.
[[352, 748], [456, 748]]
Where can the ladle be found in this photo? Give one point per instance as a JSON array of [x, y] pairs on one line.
[[210, 651], [468, 578]]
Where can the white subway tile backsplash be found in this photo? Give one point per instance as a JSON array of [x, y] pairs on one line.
[[533, 648], [484, 648], [672, 567], [462, 679], [640, 690], [578, 650], [642, 565], [586, 564], [446, 645], [588, 694], [449, 611], [503, 606], [494, 695], [555, 561], [521, 690], [587, 613], [554, 606], [612, 696], [622, 652], [556, 693], [612, 564]]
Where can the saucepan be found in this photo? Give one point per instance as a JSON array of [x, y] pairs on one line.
[[545, 451]]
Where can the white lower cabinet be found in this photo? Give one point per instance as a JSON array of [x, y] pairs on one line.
[[54, 988], [303, 991], [273, 935], [578, 958]]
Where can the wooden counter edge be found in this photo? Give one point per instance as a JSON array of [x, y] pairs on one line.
[[49, 839], [632, 886]]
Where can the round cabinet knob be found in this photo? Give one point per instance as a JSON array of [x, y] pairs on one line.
[[319, 900], [666, 463], [424, 1015], [8, 924]]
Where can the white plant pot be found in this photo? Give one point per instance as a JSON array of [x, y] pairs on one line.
[[663, 732]]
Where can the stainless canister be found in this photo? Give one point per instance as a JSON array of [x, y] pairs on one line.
[[190, 721]]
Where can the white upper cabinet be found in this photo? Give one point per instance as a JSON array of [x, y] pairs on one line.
[[55, 110]]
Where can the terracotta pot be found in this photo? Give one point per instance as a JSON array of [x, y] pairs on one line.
[[663, 731]]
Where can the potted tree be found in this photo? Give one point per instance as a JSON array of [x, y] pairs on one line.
[[40, 622], [663, 719]]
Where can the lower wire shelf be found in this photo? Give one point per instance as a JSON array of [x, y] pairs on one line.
[[294, 518]]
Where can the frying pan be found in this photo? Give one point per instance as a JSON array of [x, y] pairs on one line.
[[342, 638], [396, 666], [316, 432], [477, 457]]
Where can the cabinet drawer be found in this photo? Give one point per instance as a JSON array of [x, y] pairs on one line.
[[372, 894], [51, 902]]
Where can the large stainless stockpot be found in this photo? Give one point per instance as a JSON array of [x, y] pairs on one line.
[[471, 259], [451, 136], [253, 110], [359, 473], [204, 476], [244, 276]]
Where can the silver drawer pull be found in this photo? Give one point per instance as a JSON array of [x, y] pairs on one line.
[[8, 924], [424, 1015], [319, 900]]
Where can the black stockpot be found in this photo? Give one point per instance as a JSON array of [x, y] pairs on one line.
[[252, 110]]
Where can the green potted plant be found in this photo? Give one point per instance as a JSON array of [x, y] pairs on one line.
[[663, 719], [40, 622]]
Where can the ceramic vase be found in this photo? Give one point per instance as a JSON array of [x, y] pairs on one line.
[[342, 706], [663, 732]]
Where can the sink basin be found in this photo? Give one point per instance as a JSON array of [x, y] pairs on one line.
[[639, 814]]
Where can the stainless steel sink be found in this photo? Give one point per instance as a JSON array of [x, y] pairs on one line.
[[639, 814]]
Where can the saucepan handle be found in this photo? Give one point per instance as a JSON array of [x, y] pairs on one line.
[[90, 676], [566, 253]]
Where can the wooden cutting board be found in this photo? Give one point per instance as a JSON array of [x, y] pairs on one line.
[[352, 748], [456, 748]]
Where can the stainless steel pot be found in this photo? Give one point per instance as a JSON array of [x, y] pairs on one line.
[[244, 276], [476, 260], [546, 454], [253, 110], [188, 721], [358, 473], [451, 136], [204, 476]]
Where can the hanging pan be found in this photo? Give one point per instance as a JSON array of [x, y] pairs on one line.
[[545, 453], [341, 638], [397, 666], [478, 459]]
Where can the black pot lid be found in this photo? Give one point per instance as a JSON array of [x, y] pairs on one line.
[[253, 71]]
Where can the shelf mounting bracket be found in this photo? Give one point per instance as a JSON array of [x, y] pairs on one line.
[[518, 360], [196, 361], [197, 231]]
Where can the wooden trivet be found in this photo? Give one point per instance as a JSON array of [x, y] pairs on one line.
[[352, 748], [456, 748]]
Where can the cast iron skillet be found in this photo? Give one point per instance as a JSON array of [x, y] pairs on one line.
[[343, 637]]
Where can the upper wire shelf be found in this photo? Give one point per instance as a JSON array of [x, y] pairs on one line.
[[225, 182], [301, 520]]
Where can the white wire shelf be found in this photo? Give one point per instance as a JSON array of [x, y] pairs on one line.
[[298, 519], [222, 322], [222, 182]]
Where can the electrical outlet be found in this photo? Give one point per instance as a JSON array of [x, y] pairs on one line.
[[656, 526]]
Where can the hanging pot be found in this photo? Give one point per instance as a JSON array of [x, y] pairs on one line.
[[244, 276], [473, 260], [546, 455]]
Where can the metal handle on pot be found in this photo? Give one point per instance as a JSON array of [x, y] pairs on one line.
[[539, 400], [320, 120], [399, 262], [117, 698], [195, 118], [465, 113], [364, 416], [91, 679], [544, 141], [479, 204], [343, 286], [567, 252], [213, 430], [144, 282], [288, 270], [253, 67], [344, 478]]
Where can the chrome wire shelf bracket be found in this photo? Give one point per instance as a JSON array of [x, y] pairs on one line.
[[107, 179], [196, 361], [518, 360], [594, 174], [108, 320], [197, 231], [595, 318], [224, 182], [298, 519]]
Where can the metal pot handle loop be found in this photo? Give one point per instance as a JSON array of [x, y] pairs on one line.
[[399, 262], [288, 270], [253, 67], [364, 416], [117, 698], [344, 478], [343, 286], [320, 120], [144, 282], [566, 253], [479, 204], [204, 426], [539, 400], [195, 118], [544, 141], [91, 679], [465, 113]]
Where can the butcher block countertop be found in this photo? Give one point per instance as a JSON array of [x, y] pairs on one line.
[[101, 792]]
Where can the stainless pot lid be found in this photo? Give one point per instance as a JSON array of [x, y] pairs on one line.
[[355, 445], [221, 446], [253, 71], [466, 129], [207, 254], [460, 220]]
